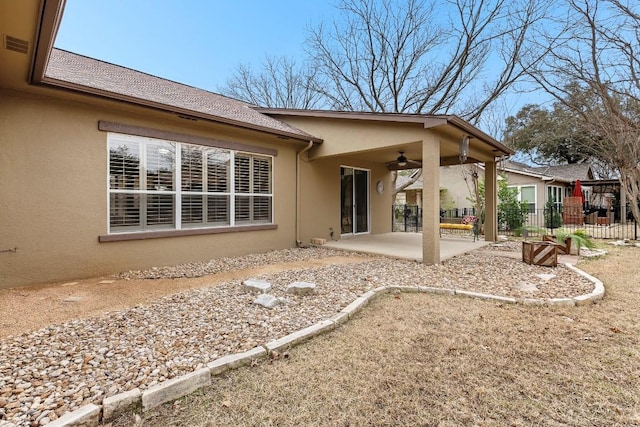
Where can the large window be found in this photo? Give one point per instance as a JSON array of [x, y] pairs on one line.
[[164, 185], [555, 193], [527, 194]]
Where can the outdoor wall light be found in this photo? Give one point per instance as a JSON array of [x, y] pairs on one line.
[[464, 149]]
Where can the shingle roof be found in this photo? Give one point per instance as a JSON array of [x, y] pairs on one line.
[[124, 83], [522, 167], [569, 172]]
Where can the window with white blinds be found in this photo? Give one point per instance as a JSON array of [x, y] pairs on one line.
[[163, 185]]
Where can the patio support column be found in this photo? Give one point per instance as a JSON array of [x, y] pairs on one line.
[[430, 201], [490, 202]]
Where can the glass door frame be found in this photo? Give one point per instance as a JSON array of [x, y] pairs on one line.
[[354, 202]]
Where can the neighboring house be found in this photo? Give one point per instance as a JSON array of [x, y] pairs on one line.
[[536, 185], [105, 169], [412, 194], [539, 184]]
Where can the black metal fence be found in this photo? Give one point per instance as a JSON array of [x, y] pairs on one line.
[[406, 218], [409, 218], [599, 223], [596, 222]]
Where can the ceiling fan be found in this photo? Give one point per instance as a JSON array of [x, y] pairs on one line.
[[403, 163]]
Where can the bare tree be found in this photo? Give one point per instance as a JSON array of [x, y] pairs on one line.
[[425, 56], [281, 83], [413, 176], [598, 52]]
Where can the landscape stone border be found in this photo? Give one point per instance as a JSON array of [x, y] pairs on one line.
[[91, 415]]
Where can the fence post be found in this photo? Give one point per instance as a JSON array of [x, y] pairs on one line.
[[406, 217], [393, 218]]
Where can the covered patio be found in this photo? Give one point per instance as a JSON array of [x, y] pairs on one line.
[[348, 177], [404, 245]]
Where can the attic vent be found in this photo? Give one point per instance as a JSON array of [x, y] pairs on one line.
[[17, 45]]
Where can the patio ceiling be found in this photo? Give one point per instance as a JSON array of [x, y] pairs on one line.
[[449, 154]]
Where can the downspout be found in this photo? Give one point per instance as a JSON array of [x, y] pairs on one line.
[[298, 158]]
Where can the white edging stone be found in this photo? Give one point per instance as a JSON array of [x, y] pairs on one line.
[[340, 318], [237, 360], [587, 298], [301, 335], [439, 291], [113, 406], [359, 303], [491, 297], [368, 295], [598, 287], [175, 388], [531, 301], [408, 289], [86, 416], [561, 302]]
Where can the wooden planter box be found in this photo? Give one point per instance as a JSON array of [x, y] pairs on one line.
[[562, 249], [540, 253]]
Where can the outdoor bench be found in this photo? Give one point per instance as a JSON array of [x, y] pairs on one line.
[[446, 226]]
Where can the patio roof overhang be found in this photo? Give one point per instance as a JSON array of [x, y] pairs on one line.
[[380, 137]]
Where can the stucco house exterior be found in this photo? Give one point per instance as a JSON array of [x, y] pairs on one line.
[[540, 184], [105, 169]]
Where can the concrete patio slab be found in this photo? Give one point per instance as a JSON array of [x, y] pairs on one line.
[[403, 245]]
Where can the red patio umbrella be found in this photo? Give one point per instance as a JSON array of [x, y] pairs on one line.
[[577, 190]]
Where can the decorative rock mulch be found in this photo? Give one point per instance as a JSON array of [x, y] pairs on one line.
[[57, 369]]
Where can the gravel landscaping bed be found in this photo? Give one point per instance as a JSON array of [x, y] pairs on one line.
[[57, 369]]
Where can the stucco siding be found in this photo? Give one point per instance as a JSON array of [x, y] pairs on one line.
[[320, 197], [522, 180], [345, 137], [53, 197], [452, 179]]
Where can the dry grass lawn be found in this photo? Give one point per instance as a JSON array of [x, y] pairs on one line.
[[419, 359]]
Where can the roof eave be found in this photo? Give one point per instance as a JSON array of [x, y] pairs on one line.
[[474, 131], [428, 121], [49, 18], [531, 174]]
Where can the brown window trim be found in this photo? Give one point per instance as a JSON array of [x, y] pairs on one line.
[[143, 235], [181, 137]]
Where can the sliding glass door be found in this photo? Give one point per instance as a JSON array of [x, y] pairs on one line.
[[354, 200]]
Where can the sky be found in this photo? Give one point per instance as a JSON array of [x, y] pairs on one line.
[[201, 42], [195, 42]]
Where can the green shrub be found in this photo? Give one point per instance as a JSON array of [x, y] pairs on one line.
[[552, 215]]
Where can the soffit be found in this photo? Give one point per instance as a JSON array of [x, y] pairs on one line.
[[18, 19]]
